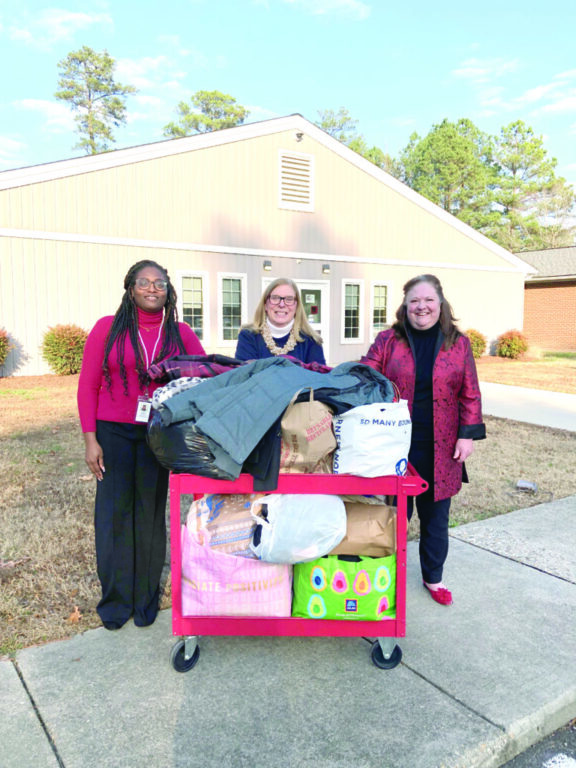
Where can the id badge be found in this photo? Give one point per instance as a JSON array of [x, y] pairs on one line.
[[143, 410]]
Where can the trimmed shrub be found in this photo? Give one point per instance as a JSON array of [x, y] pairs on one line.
[[5, 345], [511, 344], [477, 342], [63, 347]]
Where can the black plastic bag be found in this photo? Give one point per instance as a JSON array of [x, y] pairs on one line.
[[181, 447]]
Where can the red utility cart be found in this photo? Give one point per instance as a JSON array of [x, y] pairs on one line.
[[386, 654]]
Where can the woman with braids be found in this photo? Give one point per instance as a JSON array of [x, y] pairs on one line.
[[425, 354], [114, 397], [280, 327]]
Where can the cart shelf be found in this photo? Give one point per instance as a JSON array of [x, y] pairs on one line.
[[385, 650]]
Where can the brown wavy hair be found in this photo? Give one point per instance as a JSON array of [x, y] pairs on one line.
[[447, 320]]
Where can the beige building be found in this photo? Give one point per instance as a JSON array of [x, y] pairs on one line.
[[225, 212]]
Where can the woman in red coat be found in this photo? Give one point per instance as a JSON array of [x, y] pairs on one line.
[[431, 361]]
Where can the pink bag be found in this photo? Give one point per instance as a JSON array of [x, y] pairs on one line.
[[217, 584]]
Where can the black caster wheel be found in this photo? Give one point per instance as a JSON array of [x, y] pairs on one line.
[[178, 660], [378, 657]]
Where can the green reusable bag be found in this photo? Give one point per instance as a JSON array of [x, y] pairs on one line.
[[345, 587]]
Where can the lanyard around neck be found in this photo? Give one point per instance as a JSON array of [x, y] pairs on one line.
[[144, 347]]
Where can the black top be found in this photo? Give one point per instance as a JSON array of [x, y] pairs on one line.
[[423, 344]]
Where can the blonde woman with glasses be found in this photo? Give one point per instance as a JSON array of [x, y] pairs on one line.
[[280, 327]]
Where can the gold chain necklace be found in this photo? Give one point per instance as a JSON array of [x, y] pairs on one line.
[[273, 347]]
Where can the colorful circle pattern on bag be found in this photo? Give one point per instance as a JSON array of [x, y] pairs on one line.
[[339, 582], [318, 579], [316, 607], [333, 587]]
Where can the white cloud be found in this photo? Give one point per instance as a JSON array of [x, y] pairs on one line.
[[355, 9], [568, 75], [143, 73], [10, 152], [537, 93], [565, 104], [174, 43], [491, 96], [148, 101], [58, 117], [52, 25], [485, 70]]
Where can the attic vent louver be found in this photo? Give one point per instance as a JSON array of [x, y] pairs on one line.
[[296, 181]]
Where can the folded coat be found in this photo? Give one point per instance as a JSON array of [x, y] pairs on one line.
[[235, 409]]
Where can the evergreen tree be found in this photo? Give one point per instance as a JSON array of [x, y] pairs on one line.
[[341, 125], [452, 166], [207, 111], [531, 200], [87, 83]]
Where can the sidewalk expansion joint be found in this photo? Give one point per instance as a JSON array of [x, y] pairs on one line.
[[444, 692], [38, 715], [513, 560]]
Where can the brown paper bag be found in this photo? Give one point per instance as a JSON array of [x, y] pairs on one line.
[[370, 530], [308, 440]]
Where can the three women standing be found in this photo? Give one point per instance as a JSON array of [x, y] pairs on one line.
[[114, 402], [424, 353]]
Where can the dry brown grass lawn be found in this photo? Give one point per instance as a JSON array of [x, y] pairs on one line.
[[553, 374], [48, 583]]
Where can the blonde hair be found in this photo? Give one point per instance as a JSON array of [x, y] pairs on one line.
[[301, 324]]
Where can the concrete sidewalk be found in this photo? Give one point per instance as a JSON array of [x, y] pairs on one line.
[[535, 406], [479, 682]]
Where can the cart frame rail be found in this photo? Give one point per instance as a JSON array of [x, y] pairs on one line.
[[400, 487]]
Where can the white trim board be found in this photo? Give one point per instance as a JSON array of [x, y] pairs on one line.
[[65, 237], [301, 127]]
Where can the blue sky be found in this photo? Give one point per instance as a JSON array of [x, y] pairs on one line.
[[397, 67]]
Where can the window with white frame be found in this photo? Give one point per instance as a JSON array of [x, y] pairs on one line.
[[194, 304], [379, 308], [232, 306], [296, 188], [352, 292]]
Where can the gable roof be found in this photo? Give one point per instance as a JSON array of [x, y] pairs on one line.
[[90, 163], [552, 264]]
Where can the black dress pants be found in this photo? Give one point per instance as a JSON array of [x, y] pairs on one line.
[[433, 515], [130, 525]]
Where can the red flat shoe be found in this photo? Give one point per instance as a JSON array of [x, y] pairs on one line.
[[440, 595]]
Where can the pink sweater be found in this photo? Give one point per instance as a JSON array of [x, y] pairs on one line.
[[95, 401]]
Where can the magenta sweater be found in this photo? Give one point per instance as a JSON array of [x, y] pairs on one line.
[[95, 401]]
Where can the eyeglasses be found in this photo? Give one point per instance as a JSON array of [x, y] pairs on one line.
[[143, 282], [275, 299]]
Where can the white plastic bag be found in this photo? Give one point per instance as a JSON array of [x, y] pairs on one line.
[[373, 440], [295, 528]]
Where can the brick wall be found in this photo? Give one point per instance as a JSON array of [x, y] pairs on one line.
[[550, 315]]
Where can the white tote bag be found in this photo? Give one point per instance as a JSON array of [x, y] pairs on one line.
[[373, 440]]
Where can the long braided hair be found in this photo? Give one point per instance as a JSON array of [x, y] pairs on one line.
[[125, 324]]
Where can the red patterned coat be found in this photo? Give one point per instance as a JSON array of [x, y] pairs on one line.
[[456, 399]]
